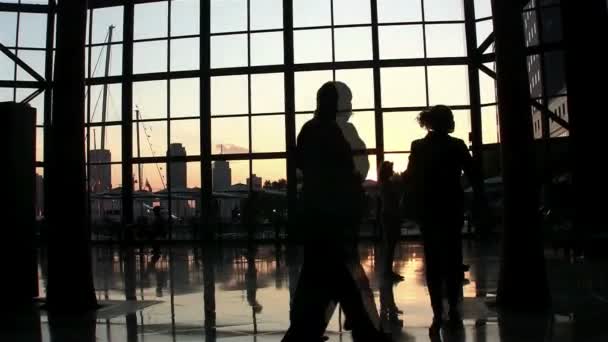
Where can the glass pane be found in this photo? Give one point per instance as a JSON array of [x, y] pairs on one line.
[[229, 95], [185, 17], [552, 24], [353, 44], [445, 40], [484, 29], [152, 139], [113, 103], [435, 10], [7, 68], [150, 57], [266, 14], [185, 184], [361, 85], [8, 28], [351, 12], [32, 30], [6, 95], [311, 13], [312, 46], [489, 124], [483, 8], [403, 87], [399, 160], [554, 73], [240, 174], [39, 144], [531, 28], [399, 11], [35, 60], [98, 61], [187, 133], [103, 18], [150, 97], [400, 129], [151, 20], [185, 54], [228, 15], [153, 179], [462, 118], [273, 173], [267, 93], [307, 84], [39, 193], [229, 51], [401, 42], [448, 85], [487, 87], [185, 97], [112, 147], [359, 130], [268, 133], [267, 48], [230, 135]]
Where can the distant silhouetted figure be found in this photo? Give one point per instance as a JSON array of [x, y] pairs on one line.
[[435, 199], [158, 231], [390, 216], [330, 203]]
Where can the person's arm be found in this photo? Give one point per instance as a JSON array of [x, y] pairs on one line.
[[480, 209]]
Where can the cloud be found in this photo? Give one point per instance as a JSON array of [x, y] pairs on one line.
[[230, 149]]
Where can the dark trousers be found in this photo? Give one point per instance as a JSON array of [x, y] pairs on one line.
[[443, 261]]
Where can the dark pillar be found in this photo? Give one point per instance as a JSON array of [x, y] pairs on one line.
[[522, 282], [586, 72], [290, 118], [205, 127], [209, 260], [70, 282]]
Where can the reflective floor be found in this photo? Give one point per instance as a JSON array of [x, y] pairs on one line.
[[243, 294]]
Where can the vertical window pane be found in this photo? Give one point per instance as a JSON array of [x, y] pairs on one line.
[[489, 124], [487, 89], [267, 93], [187, 133], [239, 175], [462, 119], [399, 11], [484, 29], [230, 135], [311, 46], [152, 138], [435, 10], [151, 20], [361, 84], [228, 15], [39, 144], [353, 44], [6, 94], [306, 85], [445, 40], [268, 133], [7, 68], [483, 8], [403, 87], [153, 174], [359, 130], [103, 18], [150, 57], [229, 95], [401, 42], [267, 48], [266, 14], [150, 97], [35, 60], [32, 30], [229, 51], [113, 103], [311, 13], [111, 148], [273, 171], [185, 17], [185, 54], [9, 28], [351, 12], [448, 85], [98, 61], [185, 97], [400, 129]]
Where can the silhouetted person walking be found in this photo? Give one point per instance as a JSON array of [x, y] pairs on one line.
[[331, 200], [435, 199], [390, 216]]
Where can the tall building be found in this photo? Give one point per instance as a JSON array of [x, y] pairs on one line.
[[100, 170], [255, 182], [546, 74], [222, 175], [178, 172]]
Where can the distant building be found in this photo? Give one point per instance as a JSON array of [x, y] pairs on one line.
[[222, 175], [178, 171], [255, 182]]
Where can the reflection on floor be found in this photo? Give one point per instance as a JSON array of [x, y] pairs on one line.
[[242, 293]]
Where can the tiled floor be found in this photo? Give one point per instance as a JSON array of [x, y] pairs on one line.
[[252, 296]]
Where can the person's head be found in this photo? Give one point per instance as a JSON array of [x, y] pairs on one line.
[[327, 102], [386, 171], [156, 211], [437, 119], [345, 106]]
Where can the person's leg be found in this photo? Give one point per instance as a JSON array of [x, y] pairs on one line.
[[453, 267]]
